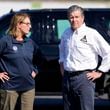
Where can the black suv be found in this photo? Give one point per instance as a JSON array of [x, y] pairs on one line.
[[47, 27]]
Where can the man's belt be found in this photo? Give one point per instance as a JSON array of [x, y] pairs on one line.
[[76, 73]]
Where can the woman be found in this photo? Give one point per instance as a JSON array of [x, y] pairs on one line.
[[17, 71]]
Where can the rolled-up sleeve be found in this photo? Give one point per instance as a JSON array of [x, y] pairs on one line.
[[103, 49], [61, 51]]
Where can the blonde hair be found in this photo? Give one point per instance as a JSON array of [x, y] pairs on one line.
[[17, 18]]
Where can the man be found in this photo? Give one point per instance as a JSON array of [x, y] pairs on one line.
[[79, 50]]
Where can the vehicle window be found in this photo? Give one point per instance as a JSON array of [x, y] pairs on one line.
[[108, 27], [102, 24], [52, 30], [62, 24]]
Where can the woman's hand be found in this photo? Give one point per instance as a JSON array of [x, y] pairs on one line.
[[4, 76], [34, 74]]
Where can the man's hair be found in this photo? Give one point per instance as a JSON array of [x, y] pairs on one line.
[[75, 8], [17, 18]]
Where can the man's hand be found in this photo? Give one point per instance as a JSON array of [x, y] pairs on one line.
[[4, 76], [93, 75]]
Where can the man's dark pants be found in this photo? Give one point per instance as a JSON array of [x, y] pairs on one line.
[[78, 92]]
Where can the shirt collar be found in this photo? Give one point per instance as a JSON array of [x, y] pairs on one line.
[[80, 29], [15, 41]]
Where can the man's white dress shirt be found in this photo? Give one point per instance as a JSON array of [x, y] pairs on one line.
[[79, 49]]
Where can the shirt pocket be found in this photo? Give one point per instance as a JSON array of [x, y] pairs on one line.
[[83, 46]]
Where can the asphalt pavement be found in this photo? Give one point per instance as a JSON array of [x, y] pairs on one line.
[[56, 103]]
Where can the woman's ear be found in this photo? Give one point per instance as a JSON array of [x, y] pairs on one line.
[[18, 25]]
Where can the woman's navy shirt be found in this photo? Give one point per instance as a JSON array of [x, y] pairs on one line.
[[16, 58]]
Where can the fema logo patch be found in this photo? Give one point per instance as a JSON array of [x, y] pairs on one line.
[[15, 48]]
